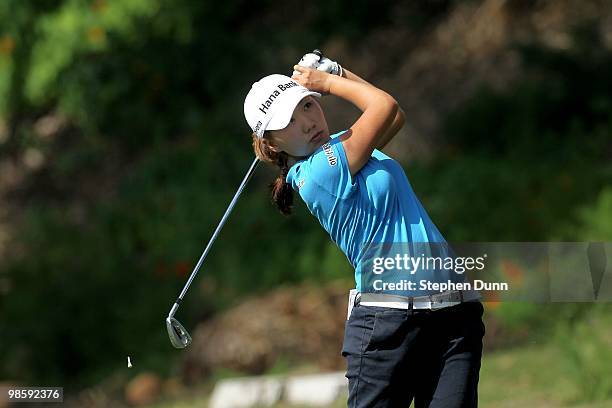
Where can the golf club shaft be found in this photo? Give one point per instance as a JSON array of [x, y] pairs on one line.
[[214, 235]]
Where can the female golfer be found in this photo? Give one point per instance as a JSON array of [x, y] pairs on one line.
[[402, 345]]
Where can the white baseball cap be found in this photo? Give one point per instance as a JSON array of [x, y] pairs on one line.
[[270, 103]]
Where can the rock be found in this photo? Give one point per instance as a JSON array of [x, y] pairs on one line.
[[173, 387], [319, 390], [143, 389], [4, 400], [246, 392]]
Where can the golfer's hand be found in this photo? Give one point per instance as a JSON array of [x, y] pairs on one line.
[[312, 79]]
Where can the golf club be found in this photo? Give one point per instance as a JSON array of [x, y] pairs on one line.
[[179, 337]]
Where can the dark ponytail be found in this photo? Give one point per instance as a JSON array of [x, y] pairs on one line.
[[282, 192]]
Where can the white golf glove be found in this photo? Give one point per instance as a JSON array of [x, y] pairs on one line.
[[316, 60], [332, 67]]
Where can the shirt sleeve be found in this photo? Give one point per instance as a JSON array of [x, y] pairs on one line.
[[329, 169]]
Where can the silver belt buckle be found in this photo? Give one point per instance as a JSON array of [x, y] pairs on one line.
[[446, 300], [436, 304]]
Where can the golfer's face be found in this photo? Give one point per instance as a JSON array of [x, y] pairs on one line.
[[306, 131]]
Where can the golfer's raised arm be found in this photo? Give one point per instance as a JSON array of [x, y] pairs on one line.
[[367, 133], [398, 120]]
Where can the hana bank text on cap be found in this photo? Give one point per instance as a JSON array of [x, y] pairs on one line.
[[270, 103]]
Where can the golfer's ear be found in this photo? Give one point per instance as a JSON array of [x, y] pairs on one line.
[[271, 145]]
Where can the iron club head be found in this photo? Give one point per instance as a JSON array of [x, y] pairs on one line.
[[177, 333]]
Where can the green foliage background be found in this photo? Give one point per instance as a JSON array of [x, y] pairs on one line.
[[152, 91]]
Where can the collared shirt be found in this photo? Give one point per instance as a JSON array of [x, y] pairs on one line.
[[377, 205]]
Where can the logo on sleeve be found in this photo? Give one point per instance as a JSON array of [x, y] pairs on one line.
[[300, 184], [329, 153]]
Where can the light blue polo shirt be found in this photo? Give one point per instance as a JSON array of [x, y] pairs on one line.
[[378, 206]]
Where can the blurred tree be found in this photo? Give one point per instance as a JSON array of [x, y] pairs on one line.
[[19, 19], [134, 183], [520, 161]]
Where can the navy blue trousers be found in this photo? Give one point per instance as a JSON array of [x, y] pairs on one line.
[[396, 356]]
